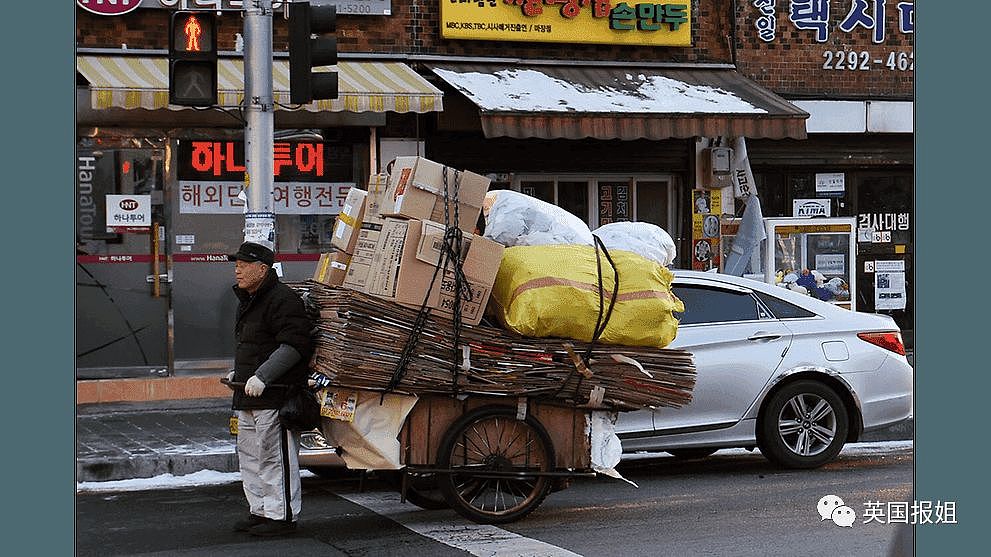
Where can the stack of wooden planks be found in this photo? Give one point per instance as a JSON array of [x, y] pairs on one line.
[[360, 341]]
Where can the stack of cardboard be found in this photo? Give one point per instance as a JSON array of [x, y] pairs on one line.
[[360, 340], [395, 238]]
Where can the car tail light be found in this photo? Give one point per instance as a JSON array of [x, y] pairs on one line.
[[891, 340]]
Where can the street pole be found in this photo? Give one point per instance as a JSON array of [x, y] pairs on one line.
[[259, 217]]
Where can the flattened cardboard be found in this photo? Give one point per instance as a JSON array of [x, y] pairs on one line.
[[348, 222], [416, 191]]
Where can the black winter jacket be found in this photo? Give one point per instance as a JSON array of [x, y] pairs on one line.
[[274, 315]]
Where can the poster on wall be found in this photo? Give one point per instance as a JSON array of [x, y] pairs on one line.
[[889, 290], [706, 208]]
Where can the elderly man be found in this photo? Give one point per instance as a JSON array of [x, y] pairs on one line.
[[273, 349]]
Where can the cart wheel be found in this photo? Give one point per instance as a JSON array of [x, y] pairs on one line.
[[491, 439], [421, 488]]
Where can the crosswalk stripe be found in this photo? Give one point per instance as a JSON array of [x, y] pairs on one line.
[[478, 539]]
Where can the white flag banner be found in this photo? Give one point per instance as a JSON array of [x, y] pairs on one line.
[[750, 235], [743, 178]]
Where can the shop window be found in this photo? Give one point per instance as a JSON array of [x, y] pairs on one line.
[[600, 200], [543, 191], [573, 197]]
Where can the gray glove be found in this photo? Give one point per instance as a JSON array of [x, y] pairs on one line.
[[230, 378]]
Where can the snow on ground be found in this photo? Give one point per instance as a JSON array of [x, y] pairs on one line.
[[212, 477]]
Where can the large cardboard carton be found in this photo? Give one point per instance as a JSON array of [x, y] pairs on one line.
[[421, 255], [348, 222], [356, 277], [416, 191], [332, 268]]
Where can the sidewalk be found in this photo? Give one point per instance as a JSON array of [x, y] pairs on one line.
[[146, 438], [117, 441]]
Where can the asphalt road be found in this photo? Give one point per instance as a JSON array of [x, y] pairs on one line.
[[734, 504]]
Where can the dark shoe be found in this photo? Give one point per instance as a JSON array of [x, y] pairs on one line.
[[250, 522], [273, 528]]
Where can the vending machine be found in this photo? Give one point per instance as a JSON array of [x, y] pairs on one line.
[[813, 256]]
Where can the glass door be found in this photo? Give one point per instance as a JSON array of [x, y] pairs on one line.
[[122, 280]]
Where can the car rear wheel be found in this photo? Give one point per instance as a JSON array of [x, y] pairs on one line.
[[804, 425]]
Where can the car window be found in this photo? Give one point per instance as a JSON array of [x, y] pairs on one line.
[[782, 309], [714, 305]]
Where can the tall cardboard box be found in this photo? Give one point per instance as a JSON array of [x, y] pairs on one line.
[[383, 273], [421, 255], [377, 184], [356, 277], [416, 191], [348, 222], [332, 268]]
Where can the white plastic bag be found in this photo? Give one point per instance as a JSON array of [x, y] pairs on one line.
[[516, 219], [642, 238]]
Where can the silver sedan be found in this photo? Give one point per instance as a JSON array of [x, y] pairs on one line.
[[778, 370]]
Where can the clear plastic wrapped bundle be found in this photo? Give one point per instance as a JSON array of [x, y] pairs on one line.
[[516, 219], [642, 238]]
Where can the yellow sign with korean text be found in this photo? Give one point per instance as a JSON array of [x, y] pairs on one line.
[[569, 21]]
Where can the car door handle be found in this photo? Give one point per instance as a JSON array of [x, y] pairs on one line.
[[760, 335]]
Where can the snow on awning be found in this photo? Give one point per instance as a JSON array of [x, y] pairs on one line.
[[573, 102], [143, 82]]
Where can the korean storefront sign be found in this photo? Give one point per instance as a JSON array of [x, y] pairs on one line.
[[631, 22], [349, 7], [109, 7], [211, 175], [811, 208], [128, 213], [817, 17], [831, 184], [614, 203]]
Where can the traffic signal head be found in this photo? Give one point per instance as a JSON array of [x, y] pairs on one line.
[[307, 52], [193, 58]]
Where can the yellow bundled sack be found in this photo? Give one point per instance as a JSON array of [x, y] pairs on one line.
[[552, 291]]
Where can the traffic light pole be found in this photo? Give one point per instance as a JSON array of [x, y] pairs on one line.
[[259, 131]]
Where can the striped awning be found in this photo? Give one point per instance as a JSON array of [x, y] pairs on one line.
[[143, 82]]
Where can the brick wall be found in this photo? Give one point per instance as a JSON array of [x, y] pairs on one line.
[[791, 64]]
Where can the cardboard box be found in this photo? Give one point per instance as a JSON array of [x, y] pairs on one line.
[[407, 256], [416, 191], [348, 222], [377, 184], [356, 277], [384, 269], [332, 268]]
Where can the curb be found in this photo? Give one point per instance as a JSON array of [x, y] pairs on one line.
[[103, 470]]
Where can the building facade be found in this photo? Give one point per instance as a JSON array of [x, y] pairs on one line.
[[600, 107]]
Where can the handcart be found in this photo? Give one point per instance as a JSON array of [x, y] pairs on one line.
[[491, 459]]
